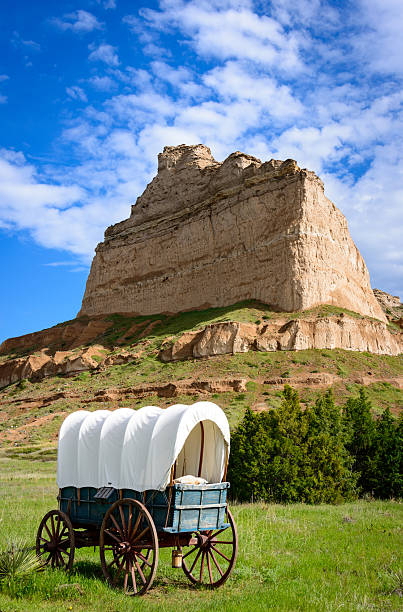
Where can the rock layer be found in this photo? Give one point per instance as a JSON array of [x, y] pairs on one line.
[[344, 332], [206, 234]]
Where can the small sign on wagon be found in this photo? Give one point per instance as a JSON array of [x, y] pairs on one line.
[[134, 481]]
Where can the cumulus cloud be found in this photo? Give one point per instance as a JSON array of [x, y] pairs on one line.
[[77, 93], [380, 44], [102, 83], [104, 53], [79, 22], [229, 30]]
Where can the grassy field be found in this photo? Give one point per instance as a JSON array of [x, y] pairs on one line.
[[297, 557]]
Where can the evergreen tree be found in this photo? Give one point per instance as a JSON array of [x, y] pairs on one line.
[[361, 438], [328, 474], [387, 477]]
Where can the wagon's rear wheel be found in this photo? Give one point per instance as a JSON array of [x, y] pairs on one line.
[[128, 547], [55, 543], [211, 561]]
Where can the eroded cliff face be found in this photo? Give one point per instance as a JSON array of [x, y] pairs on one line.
[[207, 234]]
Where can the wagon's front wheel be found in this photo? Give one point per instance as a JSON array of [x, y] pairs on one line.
[[212, 560], [128, 547], [55, 543]]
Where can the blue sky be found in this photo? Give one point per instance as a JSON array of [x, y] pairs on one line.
[[91, 91]]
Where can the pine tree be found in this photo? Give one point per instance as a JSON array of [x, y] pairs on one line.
[[361, 439], [388, 461]]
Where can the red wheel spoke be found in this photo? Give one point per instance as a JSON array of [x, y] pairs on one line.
[[190, 552], [112, 535], [58, 526], [202, 566], [59, 556], [52, 526], [63, 542], [195, 561], [133, 577], [216, 563], [47, 529], [141, 535], [129, 525], [209, 568], [136, 526], [220, 553], [126, 577], [221, 542], [144, 559], [122, 517], [214, 535], [114, 521], [139, 570]]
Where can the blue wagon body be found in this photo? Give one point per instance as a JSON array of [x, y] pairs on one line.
[[179, 509]]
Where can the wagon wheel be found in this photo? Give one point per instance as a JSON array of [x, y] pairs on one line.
[[128, 547], [211, 561], [55, 542]]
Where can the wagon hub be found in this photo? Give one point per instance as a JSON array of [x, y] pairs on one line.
[[203, 541], [124, 547]]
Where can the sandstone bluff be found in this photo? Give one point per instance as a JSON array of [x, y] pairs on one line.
[[206, 234]]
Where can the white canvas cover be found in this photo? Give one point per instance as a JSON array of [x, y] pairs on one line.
[[88, 449], [170, 434], [111, 445], [135, 449], [67, 452]]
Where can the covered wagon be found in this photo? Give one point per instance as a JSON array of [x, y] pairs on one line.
[[134, 481]]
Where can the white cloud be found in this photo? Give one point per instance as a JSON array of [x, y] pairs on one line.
[[104, 83], [79, 21], [77, 93], [229, 31], [107, 4], [235, 82], [28, 45], [3, 99], [104, 53], [381, 44]]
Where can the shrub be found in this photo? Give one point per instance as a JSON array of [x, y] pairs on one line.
[[323, 454], [17, 562], [289, 455]]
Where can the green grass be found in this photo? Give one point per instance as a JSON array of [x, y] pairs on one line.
[[297, 557]]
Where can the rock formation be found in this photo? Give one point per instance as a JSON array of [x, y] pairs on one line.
[[206, 234], [391, 306], [344, 332]]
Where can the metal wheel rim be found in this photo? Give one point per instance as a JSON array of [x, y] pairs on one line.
[[55, 542], [212, 560], [123, 557]]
